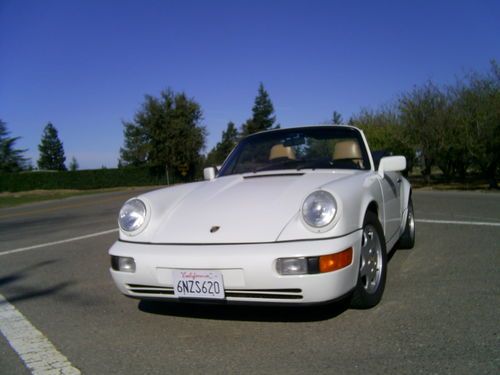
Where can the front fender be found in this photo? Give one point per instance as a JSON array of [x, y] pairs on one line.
[[405, 199], [353, 196], [373, 199]]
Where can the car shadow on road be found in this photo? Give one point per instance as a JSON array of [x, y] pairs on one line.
[[17, 287], [23, 273], [257, 313]]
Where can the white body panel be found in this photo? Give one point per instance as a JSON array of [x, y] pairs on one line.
[[254, 209]]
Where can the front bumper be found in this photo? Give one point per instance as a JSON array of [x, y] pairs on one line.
[[248, 270]]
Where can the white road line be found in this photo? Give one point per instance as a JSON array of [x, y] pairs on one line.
[[22, 249], [480, 223], [35, 350]]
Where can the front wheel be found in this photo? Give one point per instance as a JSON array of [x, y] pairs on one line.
[[372, 265], [407, 239]]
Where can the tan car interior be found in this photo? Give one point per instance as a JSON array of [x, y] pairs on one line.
[[279, 151], [348, 150]]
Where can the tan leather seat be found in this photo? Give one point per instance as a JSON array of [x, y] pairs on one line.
[[280, 151], [348, 149]]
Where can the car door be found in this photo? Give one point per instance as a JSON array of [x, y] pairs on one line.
[[391, 190]]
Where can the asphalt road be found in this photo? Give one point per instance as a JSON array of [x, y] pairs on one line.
[[440, 313]]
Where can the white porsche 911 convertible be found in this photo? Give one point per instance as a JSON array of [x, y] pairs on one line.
[[294, 216]]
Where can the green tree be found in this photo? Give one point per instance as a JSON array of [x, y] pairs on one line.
[[11, 159], [452, 156], [219, 153], [137, 145], [384, 131], [51, 150], [262, 114], [426, 113], [165, 133], [477, 111], [73, 165], [337, 118]]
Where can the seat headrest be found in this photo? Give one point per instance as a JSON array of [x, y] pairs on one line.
[[280, 151], [348, 149]]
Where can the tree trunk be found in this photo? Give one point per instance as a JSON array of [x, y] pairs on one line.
[[426, 172], [490, 175], [492, 181]]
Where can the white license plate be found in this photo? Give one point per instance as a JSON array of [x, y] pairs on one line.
[[198, 284]]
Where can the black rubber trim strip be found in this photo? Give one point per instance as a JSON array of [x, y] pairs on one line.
[[236, 243], [152, 291], [296, 290], [263, 295]]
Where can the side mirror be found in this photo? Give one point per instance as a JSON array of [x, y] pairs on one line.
[[209, 173], [391, 164]]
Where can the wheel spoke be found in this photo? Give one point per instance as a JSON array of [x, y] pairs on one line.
[[370, 271], [363, 269], [372, 264]]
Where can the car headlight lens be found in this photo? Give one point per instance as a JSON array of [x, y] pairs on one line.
[[132, 215], [319, 209]]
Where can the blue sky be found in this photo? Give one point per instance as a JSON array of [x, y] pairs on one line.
[[85, 65]]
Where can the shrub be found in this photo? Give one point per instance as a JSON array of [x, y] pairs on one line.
[[84, 180]]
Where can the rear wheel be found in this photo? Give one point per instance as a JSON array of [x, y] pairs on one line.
[[372, 265], [407, 239]]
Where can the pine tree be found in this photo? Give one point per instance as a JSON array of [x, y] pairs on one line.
[[73, 165], [11, 159], [337, 118], [229, 139], [220, 152], [262, 114], [51, 150]]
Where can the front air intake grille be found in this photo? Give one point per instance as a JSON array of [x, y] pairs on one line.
[[282, 294], [146, 289], [265, 293]]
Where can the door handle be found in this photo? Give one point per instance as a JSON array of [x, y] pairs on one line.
[[399, 180]]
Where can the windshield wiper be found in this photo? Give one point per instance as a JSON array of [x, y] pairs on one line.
[[275, 166], [323, 163]]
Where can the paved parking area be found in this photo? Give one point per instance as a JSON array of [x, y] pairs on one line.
[[440, 311]]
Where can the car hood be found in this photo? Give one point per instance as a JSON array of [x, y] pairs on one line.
[[234, 209]]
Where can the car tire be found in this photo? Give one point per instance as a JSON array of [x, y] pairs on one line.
[[407, 239], [372, 265]]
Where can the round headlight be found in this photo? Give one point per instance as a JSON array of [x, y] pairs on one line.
[[132, 215], [319, 209]]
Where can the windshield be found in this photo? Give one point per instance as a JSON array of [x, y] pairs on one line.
[[325, 147]]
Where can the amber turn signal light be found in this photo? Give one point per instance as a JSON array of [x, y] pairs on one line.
[[333, 262]]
